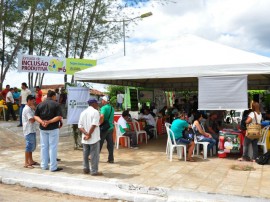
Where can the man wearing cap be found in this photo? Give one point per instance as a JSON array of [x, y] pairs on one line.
[[29, 131], [49, 115], [107, 113], [89, 126]]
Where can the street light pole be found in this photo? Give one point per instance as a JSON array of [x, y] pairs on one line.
[[145, 15], [124, 36]]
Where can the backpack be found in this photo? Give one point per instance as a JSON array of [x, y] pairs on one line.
[[263, 159]]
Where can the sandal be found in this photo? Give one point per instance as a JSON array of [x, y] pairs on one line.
[[35, 164], [191, 160], [28, 166]]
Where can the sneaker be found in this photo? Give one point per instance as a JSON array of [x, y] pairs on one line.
[[134, 147], [57, 169], [110, 161], [97, 174], [19, 125]]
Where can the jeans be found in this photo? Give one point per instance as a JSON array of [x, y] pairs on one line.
[[254, 143], [211, 141], [108, 136], [148, 131], [21, 109], [30, 142], [48, 148], [119, 105], [133, 138], [10, 110], [93, 150], [182, 141]]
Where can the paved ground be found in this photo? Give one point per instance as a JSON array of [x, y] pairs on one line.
[[137, 175]]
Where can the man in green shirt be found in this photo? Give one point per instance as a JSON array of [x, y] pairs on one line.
[[107, 114]]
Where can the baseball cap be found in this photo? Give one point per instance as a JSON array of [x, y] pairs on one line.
[[92, 101], [105, 98]]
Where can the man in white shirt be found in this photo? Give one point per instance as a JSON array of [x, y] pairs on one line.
[[125, 129], [120, 100], [29, 131], [22, 100], [10, 102], [150, 123], [89, 126]]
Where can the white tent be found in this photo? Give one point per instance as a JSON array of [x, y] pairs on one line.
[[177, 64]]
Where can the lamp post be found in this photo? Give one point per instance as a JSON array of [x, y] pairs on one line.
[[145, 15]]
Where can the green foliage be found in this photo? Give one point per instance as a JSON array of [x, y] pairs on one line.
[[112, 92]]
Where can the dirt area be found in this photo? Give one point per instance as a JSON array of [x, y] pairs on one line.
[[16, 193]]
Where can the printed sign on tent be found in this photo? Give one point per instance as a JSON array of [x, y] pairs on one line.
[[77, 102]]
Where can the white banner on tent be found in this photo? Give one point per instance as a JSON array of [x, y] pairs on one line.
[[77, 102], [223, 93]]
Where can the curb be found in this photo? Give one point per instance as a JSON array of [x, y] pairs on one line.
[[111, 189]]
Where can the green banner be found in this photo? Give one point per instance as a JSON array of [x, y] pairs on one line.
[[74, 65]]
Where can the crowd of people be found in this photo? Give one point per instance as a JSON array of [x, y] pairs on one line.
[[207, 128], [96, 126]]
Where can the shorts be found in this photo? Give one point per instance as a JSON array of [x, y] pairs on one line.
[[30, 142], [182, 141]]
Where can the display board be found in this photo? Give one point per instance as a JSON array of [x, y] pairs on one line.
[[223, 93]]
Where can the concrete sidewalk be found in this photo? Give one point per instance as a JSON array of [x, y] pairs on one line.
[[137, 175]]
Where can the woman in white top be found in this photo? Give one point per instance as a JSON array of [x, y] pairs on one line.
[[247, 141]]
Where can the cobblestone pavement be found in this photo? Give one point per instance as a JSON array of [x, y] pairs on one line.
[[146, 167]]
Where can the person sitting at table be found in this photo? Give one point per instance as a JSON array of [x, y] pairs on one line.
[[125, 129], [150, 123], [178, 126], [211, 126], [201, 135]]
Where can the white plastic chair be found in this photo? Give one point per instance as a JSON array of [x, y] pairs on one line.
[[205, 145], [167, 125], [120, 135], [172, 144], [139, 132], [155, 128], [262, 140]]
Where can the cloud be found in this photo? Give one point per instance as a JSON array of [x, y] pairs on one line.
[[241, 24]]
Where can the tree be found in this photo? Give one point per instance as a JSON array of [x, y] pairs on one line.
[[14, 21]]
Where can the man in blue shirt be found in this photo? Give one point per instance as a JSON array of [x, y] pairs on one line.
[[178, 126]]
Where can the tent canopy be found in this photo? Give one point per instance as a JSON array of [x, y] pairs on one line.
[[177, 63]]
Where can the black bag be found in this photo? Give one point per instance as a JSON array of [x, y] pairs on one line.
[[188, 134], [105, 125], [263, 159]]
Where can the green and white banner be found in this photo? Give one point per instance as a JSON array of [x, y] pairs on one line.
[[42, 64]]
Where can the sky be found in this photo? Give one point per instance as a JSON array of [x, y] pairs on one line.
[[242, 24]]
